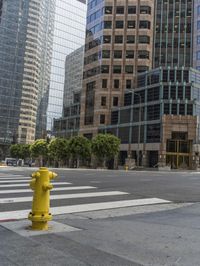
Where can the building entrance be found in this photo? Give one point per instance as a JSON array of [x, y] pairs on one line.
[[179, 149]]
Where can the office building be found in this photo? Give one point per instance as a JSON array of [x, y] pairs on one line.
[[69, 35], [118, 46], [68, 125], [154, 113], [26, 29], [159, 123]]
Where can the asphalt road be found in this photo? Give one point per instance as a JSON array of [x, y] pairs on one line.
[[173, 186], [153, 235]]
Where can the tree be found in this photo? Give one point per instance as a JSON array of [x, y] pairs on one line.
[[15, 150], [105, 147], [80, 148], [39, 150], [25, 151], [59, 149]]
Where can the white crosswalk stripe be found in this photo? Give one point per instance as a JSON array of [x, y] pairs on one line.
[[55, 189], [22, 214], [15, 178], [27, 184], [67, 196], [9, 186]]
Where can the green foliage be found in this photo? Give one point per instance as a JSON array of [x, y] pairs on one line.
[[39, 148], [21, 151], [80, 147], [59, 149], [25, 151], [105, 146], [15, 150]]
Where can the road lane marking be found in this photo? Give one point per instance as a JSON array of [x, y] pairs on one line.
[[27, 184], [13, 181], [66, 196], [15, 178], [22, 214], [55, 189]]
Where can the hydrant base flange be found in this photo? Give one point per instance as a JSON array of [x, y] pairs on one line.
[[40, 218], [40, 225]]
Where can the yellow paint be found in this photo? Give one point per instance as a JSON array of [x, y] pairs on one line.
[[41, 186]]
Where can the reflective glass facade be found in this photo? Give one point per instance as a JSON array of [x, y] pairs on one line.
[[26, 29], [69, 35], [196, 35], [173, 33]]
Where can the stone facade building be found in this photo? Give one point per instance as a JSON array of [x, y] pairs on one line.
[[118, 45]]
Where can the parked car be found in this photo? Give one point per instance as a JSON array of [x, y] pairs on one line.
[[11, 161]]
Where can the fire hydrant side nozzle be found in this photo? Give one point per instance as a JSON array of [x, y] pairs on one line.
[[41, 186]]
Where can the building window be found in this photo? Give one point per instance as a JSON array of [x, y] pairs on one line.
[[130, 39], [119, 24], [198, 10], [128, 84], [89, 104], [190, 109], [144, 39], [102, 119], [108, 10], [106, 39], [198, 24], [153, 133], [117, 54], [166, 109], [144, 24], [129, 69], [114, 117], [115, 101], [106, 54], [145, 10], [131, 24], [130, 54], [117, 69], [198, 39], [174, 109], [132, 10], [141, 69], [118, 39], [182, 109], [104, 83], [107, 24], [198, 55], [153, 112], [104, 69], [103, 101], [143, 54], [120, 10], [116, 83]]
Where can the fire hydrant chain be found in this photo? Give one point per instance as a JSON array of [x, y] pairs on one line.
[[41, 186]]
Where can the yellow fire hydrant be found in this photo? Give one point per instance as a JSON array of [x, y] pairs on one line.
[[41, 186]]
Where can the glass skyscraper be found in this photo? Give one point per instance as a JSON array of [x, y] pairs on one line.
[[69, 35], [26, 29]]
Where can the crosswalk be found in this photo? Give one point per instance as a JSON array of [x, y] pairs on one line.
[[66, 198]]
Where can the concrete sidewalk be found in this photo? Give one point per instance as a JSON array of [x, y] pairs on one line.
[[152, 235]]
